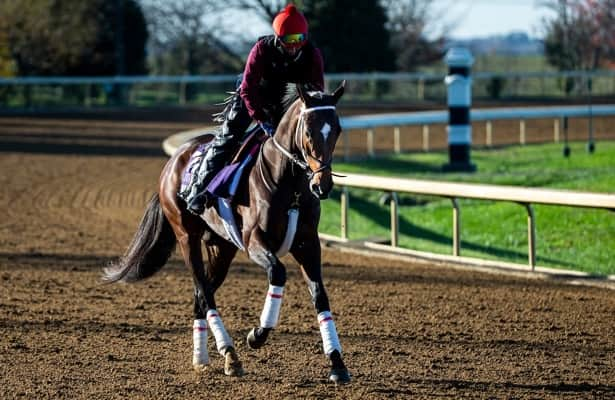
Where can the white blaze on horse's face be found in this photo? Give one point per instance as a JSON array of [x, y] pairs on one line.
[[319, 136], [325, 131]]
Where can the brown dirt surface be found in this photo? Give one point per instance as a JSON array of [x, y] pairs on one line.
[[71, 199]]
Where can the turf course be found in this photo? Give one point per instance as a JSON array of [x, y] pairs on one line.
[[569, 238]]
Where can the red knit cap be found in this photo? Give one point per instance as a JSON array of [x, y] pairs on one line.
[[290, 21]]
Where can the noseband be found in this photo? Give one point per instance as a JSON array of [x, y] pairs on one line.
[[294, 158]]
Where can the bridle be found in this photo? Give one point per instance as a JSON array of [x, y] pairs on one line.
[[299, 132]]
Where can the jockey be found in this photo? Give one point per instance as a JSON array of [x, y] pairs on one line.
[[274, 61]]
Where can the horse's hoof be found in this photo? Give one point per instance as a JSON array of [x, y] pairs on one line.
[[251, 340], [257, 337], [339, 376], [232, 364], [200, 368]]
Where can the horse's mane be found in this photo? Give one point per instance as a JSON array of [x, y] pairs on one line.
[[290, 96]]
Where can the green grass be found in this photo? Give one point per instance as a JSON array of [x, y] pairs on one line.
[[567, 237]]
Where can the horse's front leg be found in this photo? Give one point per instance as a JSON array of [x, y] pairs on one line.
[[307, 253], [276, 273]]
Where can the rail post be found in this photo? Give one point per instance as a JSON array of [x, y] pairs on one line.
[[456, 228], [488, 134], [394, 219], [459, 89], [531, 236], [396, 140], [426, 138], [370, 143], [344, 200]]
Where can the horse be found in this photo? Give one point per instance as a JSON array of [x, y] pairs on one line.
[[277, 211]]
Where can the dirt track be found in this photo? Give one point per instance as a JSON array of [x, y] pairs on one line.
[[71, 204]]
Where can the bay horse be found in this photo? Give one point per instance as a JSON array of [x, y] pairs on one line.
[[277, 211]]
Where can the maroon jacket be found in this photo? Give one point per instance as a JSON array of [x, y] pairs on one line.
[[268, 70]]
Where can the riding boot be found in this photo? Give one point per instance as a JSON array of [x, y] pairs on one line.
[[224, 144], [199, 198]]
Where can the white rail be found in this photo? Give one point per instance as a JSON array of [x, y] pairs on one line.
[[522, 195], [484, 114], [559, 114]]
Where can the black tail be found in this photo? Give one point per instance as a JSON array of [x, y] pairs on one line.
[[149, 250]]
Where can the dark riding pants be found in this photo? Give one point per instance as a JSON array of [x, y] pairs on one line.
[[236, 121]]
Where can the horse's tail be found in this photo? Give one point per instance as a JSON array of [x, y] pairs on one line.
[[149, 250]]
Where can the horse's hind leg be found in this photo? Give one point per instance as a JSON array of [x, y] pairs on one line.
[[190, 245], [220, 254], [309, 258], [206, 316]]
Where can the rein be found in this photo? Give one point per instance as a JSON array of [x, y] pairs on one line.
[[294, 158]]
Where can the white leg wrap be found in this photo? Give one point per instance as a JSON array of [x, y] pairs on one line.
[[199, 335], [223, 340], [271, 310], [328, 332]]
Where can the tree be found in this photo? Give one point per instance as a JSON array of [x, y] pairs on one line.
[[369, 35], [352, 35], [411, 23], [582, 35], [266, 10], [183, 40], [7, 65], [75, 37]]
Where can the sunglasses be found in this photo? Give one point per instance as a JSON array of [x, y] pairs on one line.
[[293, 39]]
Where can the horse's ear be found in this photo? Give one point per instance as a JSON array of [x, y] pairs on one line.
[[337, 93]]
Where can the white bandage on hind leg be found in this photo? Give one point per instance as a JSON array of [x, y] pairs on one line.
[[328, 332], [223, 340], [199, 336], [271, 310]]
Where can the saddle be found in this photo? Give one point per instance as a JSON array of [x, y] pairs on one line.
[[226, 182]]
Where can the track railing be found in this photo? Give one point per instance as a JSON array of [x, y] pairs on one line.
[[454, 191], [559, 114]]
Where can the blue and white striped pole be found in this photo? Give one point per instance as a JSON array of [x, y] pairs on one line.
[[459, 88]]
